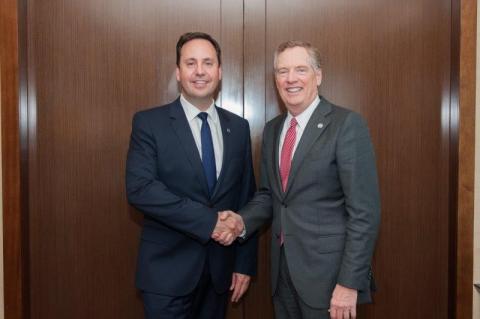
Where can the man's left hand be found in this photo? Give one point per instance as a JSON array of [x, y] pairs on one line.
[[343, 304], [240, 283]]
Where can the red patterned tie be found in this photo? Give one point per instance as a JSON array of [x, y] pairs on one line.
[[287, 150]]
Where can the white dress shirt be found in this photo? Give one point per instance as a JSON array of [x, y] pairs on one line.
[[302, 120], [195, 123]]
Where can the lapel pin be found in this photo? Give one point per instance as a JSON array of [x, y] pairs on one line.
[[320, 125], [228, 130]]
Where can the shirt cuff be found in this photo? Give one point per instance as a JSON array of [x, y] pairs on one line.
[[243, 233]]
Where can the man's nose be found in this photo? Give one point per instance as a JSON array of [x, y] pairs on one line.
[[200, 70], [291, 76]]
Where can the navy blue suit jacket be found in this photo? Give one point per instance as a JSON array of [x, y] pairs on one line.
[[166, 182]]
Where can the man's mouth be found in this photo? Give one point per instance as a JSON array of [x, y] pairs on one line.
[[200, 82], [293, 89]]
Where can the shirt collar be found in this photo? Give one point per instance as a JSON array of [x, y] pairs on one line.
[[191, 111], [304, 117]]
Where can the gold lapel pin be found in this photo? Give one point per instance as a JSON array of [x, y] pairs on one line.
[[320, 125]]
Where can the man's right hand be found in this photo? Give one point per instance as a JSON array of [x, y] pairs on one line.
[[229, 226]]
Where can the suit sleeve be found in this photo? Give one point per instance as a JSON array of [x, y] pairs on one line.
[[358, 177], [246, 252], [149, 194], [258, 211]]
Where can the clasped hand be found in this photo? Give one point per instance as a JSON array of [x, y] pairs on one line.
[[229, 226]]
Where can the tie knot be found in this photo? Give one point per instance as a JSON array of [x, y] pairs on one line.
[[293, 122], [203, 116]]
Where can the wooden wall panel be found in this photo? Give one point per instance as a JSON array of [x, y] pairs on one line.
[[92, 64], [13, 243], [466, 166], [258, 302]]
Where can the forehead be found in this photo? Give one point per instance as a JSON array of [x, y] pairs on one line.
[[199, 49], [293, 57]]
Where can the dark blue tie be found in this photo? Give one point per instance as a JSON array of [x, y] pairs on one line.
[[208, 155]]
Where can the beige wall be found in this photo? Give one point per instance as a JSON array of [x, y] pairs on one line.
[[476, 239]]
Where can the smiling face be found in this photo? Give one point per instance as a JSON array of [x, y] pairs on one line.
[[296, 79], [199, 72]]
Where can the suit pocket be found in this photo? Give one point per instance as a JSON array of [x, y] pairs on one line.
[[331, 243]]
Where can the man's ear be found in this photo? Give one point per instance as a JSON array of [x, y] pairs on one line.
[[318, 75]]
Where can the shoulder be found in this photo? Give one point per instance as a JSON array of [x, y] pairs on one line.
[[232, 118], [342, 116], [155, 114], [275, 121], [155, 110]]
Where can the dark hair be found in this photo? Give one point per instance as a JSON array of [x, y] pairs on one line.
[[189, 36], [313, 53]]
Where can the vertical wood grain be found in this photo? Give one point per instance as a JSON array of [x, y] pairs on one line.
[[13, 244], [258, 301], [92, 64], [466, 163]]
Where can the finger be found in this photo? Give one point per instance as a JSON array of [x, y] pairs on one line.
[[221, 236], [229, 239], [346, 313], [225, 236], [224, 215], [243, 288], [235, 293], [333, 313], [353, 312], [234, 281]]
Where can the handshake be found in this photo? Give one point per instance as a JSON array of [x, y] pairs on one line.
[[229, 226]]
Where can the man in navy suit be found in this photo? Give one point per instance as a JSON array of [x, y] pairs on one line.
[[187, 161]]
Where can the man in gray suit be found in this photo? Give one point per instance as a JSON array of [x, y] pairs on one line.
[[319, 187]]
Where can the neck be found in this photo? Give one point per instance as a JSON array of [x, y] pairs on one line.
[[200, 103], [297, 110]]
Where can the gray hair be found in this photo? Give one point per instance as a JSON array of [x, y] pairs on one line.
[[313, 53]]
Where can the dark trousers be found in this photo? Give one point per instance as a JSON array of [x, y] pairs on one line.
[[286, 301], [203, 303]]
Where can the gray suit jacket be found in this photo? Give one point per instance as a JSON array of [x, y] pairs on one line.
[[330, 211]]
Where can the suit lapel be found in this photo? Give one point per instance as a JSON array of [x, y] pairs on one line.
[[184, 133], [227, 142], [315, 127]]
